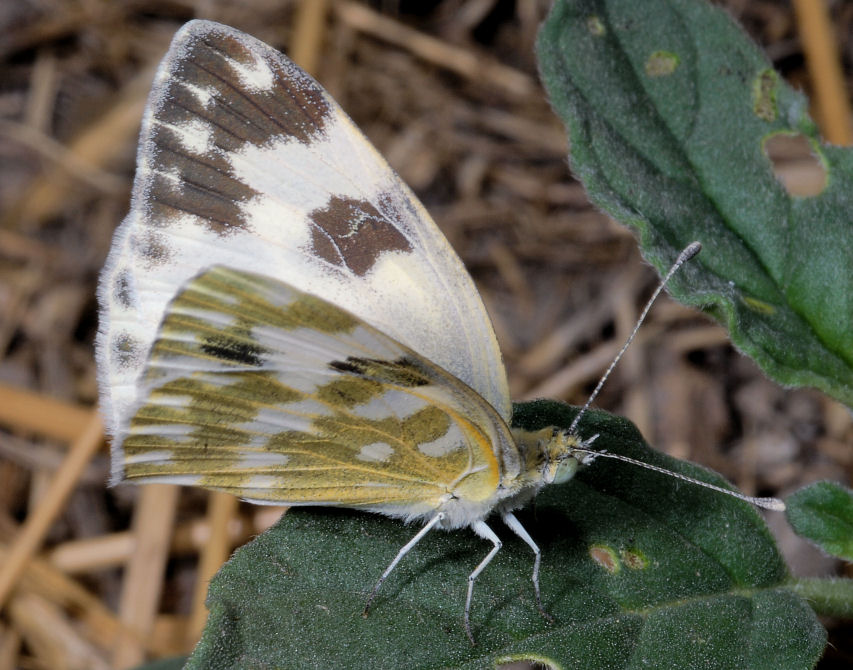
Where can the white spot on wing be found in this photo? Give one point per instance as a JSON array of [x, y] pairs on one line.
[[270, 421], [180, 480], [160, 455], [212, 316], [447, 443], [304, 383], [173, 176], [262, 482], [175, 432], [317, 349], [378, 452], [195, 136], [306, 407], [255, 76], [255, 435], [172, 400], [255, 459], [305, 176], [390, 403], [203, 95]]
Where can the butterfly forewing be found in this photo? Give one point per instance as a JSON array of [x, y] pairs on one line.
[[273, 394], [245, 161]]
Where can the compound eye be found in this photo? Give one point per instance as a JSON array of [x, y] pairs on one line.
[[562, 471]]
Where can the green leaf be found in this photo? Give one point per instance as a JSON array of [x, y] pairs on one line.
[[828, 597], [668, 105], [174, 663], [823, 514], [639, 570]]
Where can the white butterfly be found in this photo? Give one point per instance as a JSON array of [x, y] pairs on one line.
[[281, 319]]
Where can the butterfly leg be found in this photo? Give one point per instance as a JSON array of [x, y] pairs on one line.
[[516, 527], [405, 550], [486, 533]]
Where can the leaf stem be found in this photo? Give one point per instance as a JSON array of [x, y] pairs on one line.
[[830, 597]]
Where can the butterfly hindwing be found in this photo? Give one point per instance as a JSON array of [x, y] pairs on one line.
[[246, 161], [259, 389]]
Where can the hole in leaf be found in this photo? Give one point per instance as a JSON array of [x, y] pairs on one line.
[[795, 164], [521, 664]]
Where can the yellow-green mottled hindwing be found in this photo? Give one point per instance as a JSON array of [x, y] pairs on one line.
[[275, 395]]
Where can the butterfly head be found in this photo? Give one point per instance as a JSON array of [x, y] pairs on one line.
[[552, 455]]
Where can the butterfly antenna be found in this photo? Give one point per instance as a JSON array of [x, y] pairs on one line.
[[689, 252], [765, 503]]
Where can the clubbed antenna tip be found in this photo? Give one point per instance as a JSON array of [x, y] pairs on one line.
[[689, 252]]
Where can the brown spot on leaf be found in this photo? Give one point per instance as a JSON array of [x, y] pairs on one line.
[[661, 64], [764, 95], [634, 559], [605, 557], [595, 25]]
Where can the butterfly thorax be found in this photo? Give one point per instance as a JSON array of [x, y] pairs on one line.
[[549, 456]]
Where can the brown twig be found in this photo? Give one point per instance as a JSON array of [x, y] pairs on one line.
[[96, 146], [308, 34], [821, 48], [143, 579], [26, 411], [39, 521], [222, 508], [475, 67]]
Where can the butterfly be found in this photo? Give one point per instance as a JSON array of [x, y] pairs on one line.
[[282, 320]]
